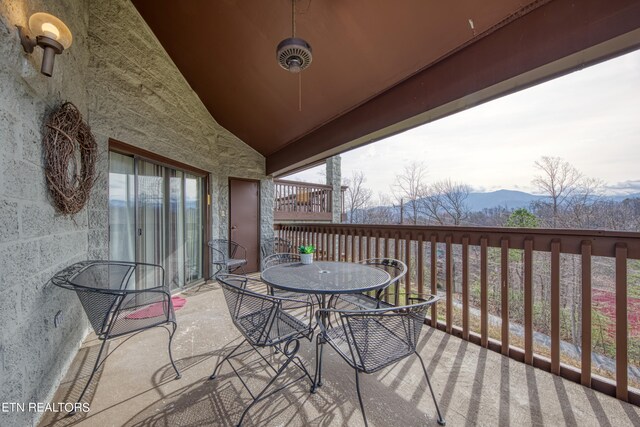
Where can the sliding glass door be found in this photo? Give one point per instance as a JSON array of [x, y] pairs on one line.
[[156, 216]]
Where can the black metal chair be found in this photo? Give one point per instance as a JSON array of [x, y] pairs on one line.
[[396, 269], [272, 246], [264, 321], [120, 298], [372, 339], [226, 256], [284, 258]]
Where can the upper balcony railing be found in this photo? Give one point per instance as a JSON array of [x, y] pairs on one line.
[[561, 300], [302, 201]]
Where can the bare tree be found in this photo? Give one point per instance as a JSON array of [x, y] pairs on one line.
[[445, 202], [357, 197], [453, 196], [409, 187], [431, 206], [383, 212], [582, 206], [558, 179]]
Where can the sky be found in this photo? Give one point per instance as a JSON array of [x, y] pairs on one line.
[[590, 118]]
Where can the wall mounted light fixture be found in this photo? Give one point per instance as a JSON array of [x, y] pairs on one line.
[[51, 34]]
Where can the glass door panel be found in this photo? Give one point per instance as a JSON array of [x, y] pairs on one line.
[[151, 213], [194, 228], [122, 222], [174, 262]]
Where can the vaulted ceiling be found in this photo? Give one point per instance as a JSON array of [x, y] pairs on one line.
[[407, 52]]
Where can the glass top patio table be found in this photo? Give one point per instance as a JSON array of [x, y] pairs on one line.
[[326, 277]]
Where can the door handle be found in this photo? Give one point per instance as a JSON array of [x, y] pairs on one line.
[[235, 227]]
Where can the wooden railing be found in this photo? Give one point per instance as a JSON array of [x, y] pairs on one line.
[[301, 201], [509, 271]]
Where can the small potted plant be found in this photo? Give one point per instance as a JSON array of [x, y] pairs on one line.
[[306, 253]]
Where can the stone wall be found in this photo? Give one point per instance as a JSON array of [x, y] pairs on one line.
[[128, 89], [137, 95], [35, 241]]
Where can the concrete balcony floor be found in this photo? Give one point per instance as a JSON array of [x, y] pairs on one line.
[[474, 386]]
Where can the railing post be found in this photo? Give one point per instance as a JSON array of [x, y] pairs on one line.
[[585, 376], [465, 288], [622, 390], [434, 278], [555, 307], [420, 263], [528, 302], [504, 294], [484, 306], [449, 283], [407, 254]]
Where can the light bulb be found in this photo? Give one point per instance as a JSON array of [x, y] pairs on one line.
[[43, 24], [294, 65], [50, 30]]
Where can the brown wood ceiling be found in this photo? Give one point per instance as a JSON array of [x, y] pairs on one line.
[[365, 53]]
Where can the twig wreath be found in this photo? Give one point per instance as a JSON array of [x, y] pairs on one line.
[[67, 141]]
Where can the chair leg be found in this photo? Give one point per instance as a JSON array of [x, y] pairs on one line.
[[175, 368], [317, 378], [96, 366], [441, 420], [215, 370], [360, 398], [218, 269], [290, 356]]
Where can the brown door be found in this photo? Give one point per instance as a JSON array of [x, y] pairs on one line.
[[244, 218]]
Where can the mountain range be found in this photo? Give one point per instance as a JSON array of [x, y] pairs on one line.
[[512, 199]]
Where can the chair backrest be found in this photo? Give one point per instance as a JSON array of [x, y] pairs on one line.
[[277, 259], [396, 268], [274, 245], [111, 290], [380, 337], [219, 249], [281, 245], [252, 313]]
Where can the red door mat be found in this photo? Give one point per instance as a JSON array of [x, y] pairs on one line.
[[156, 309]]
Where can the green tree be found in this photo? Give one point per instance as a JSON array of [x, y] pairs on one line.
[[522, 218]]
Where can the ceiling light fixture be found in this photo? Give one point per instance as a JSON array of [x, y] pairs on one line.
[[51, 34], [294, 54]]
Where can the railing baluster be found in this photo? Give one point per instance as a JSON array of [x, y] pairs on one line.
[[420, 263], [622, 332], [528, 301], [434, 278], [353, 246], [585, 376], [449, 283], [324, 241], [465, 288], [504, 294], [555, 307], [386, 255], [397, 255], [484, 306], [407, 255], [314, 240]]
